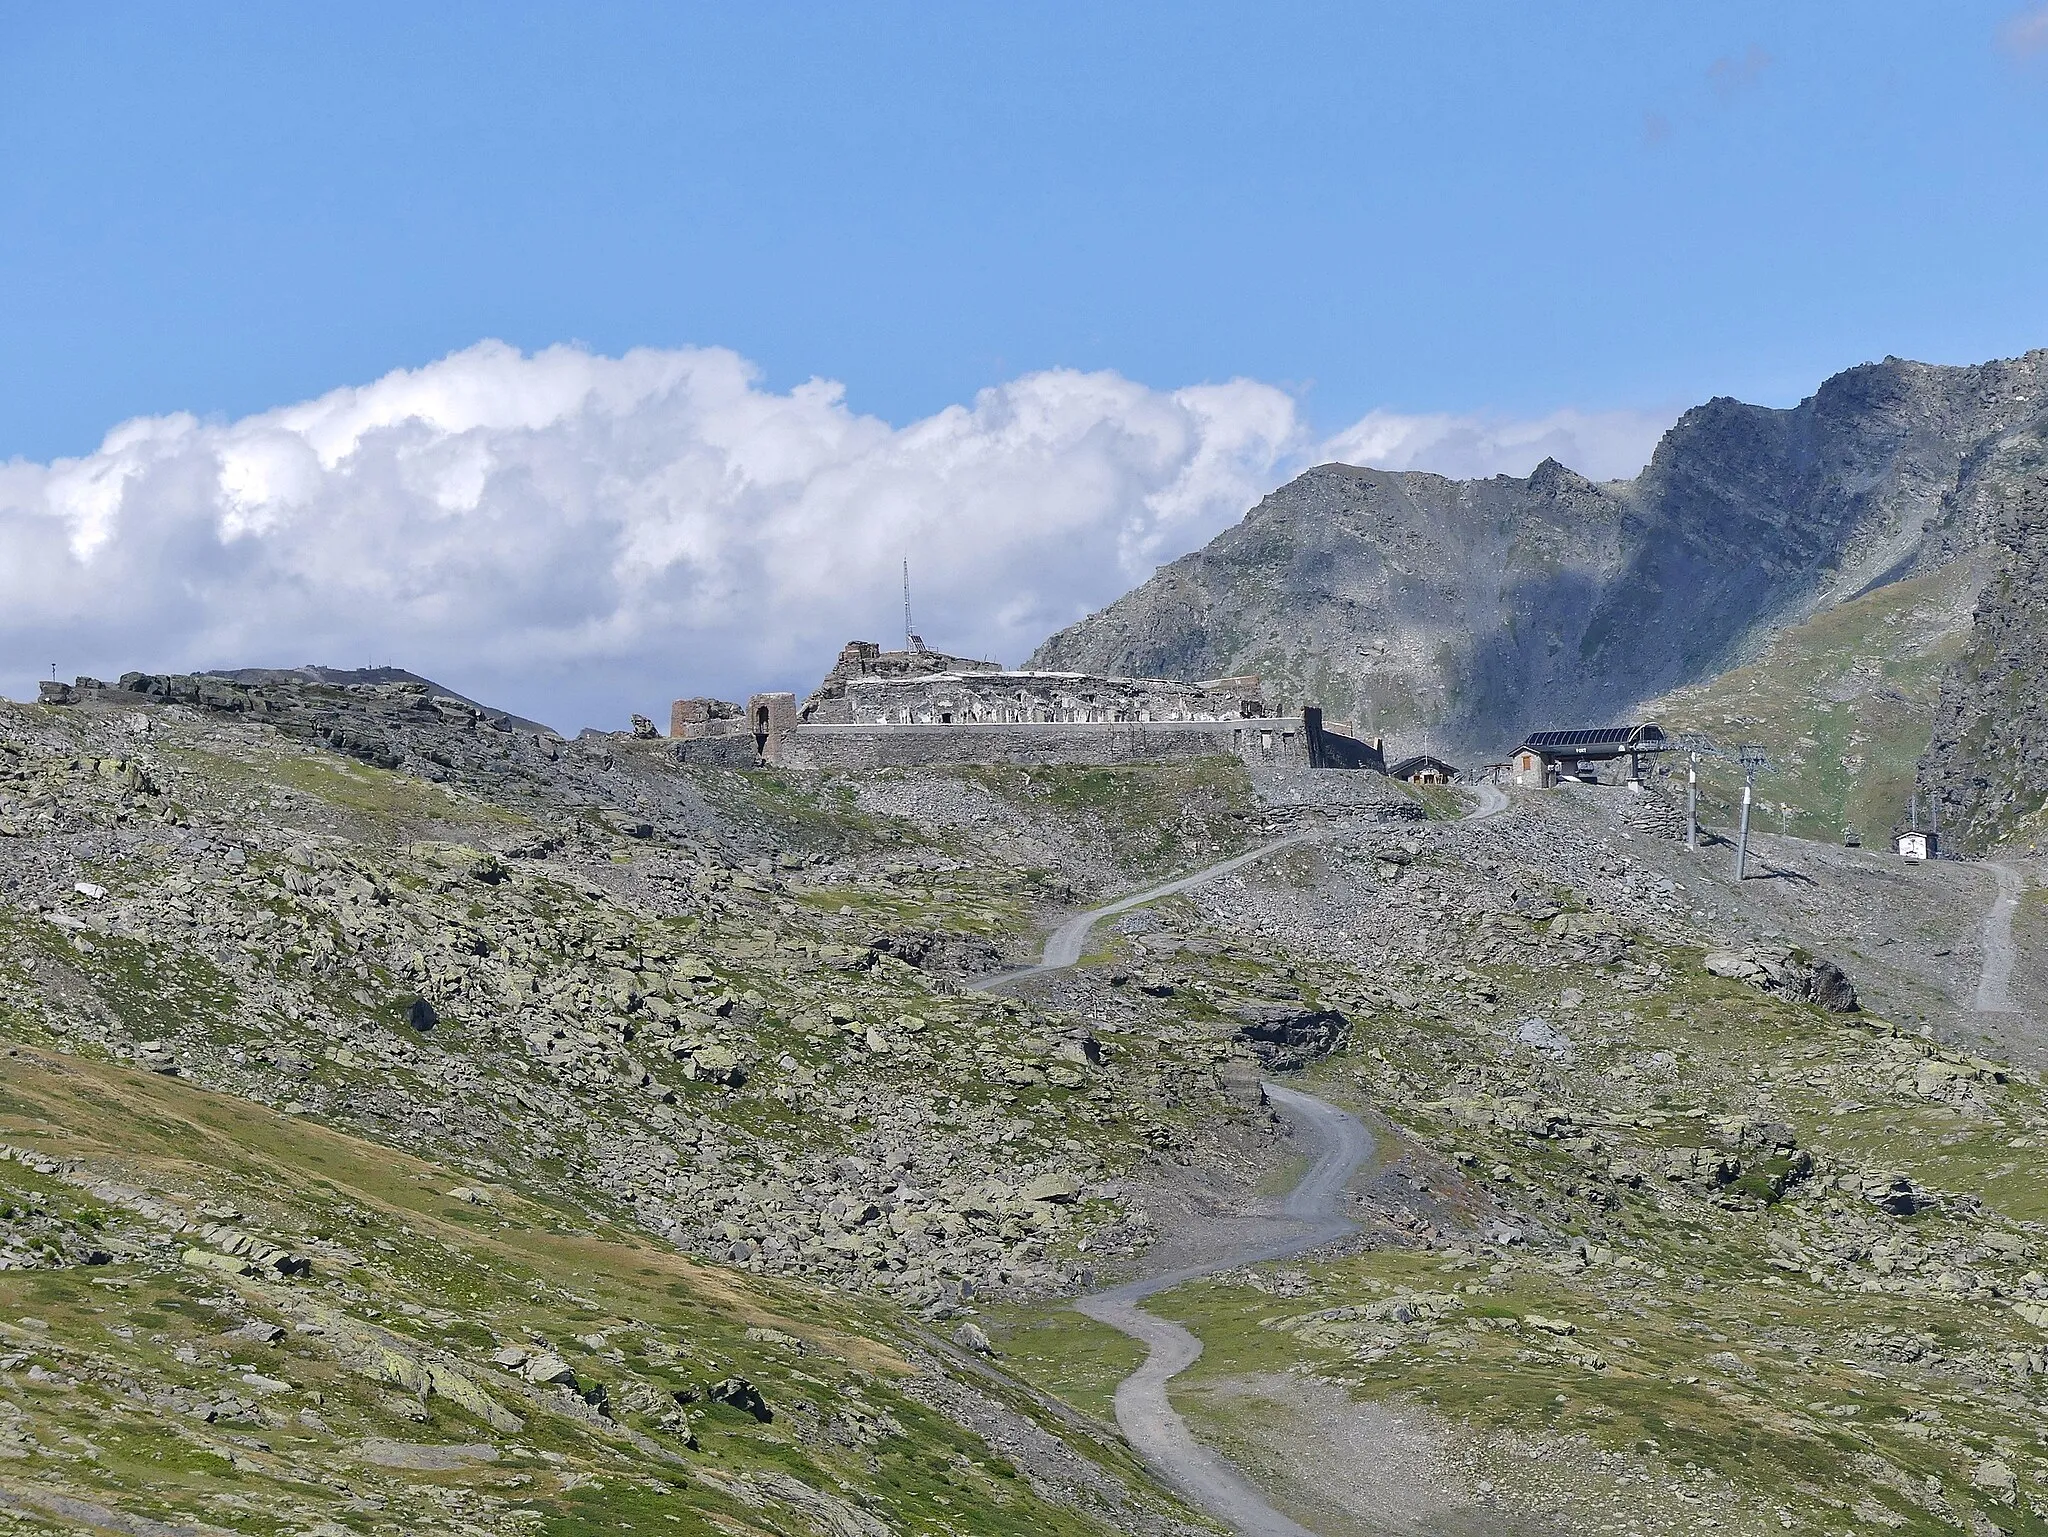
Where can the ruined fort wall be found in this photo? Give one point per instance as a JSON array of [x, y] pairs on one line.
[[732, 751], [689, 719], [870, 747], [1026, 699]]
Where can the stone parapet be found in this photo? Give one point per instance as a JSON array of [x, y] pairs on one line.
[[735, 751], [1277, 740]]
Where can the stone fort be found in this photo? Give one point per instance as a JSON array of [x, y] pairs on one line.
[[916, 707]]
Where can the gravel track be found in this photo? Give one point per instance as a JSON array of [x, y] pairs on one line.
[[1064, 947], [1307, 1218], [1492, 800], [1994, 982], [1310, 1216]]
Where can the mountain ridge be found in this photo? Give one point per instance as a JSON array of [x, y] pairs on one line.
[[1475, 609]]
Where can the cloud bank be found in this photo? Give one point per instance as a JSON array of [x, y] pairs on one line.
[[574, 536]]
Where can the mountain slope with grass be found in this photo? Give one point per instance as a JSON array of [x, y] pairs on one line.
[[243, 1321], [1476, 610], [411, 1123], [1843, 704]]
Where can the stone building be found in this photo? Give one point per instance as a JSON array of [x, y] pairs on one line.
[[873, 687], [696, 719], [906, 708], [1424, 769], [715, 732]]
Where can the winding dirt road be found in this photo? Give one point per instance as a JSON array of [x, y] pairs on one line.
[[1310, 1216], [1064, 947]]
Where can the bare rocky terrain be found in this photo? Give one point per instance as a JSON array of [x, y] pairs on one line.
[[417, 1122], [1662, 1241]]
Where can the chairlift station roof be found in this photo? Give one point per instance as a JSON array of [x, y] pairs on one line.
[[1596, 741]]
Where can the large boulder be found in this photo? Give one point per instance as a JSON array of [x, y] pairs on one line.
[[1291, 1035], [1058, 1188], [1787, 971], [936, 950]]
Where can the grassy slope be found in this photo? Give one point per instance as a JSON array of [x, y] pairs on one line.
[[1844, 703], [447, 1281]]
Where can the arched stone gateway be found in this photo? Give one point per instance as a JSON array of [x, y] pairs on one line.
[[772, 716]]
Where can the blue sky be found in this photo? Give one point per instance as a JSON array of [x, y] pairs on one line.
[[587, 355], [1423, 207]]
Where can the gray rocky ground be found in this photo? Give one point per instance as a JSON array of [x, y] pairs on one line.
[[1660, 1231], [1548, 981]]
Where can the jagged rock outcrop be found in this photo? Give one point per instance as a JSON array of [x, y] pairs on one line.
[[1986, 769], [1788, 971], [1484, 608]]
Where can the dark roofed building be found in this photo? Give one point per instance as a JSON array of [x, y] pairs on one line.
[[1424, 769], [1548, 756]]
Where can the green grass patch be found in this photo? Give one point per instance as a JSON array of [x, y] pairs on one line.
[[1060, 1352], [1843, 703]]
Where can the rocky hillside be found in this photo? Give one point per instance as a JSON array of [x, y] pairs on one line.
[[1479, 609], [414, 1123], [1987, 765]]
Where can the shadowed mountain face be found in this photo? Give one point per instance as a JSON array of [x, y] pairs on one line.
[[1985, 773], [1482, 609]]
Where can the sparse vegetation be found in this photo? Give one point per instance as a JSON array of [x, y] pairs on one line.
[[1844, 705]]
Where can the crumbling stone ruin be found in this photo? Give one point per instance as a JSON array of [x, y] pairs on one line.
[[916, 707], [870, 686]]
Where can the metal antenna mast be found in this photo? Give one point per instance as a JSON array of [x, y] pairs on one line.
[[906, 605]]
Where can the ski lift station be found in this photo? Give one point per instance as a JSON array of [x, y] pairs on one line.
[[1547, 758]]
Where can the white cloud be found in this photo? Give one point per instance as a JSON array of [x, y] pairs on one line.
[[2025, 34], [574, 536], [1602, 445]]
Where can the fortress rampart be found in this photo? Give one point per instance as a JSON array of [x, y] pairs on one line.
[[865, 747], [880, 709]]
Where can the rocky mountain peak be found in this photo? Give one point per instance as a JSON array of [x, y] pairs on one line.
[[1480, 609]]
